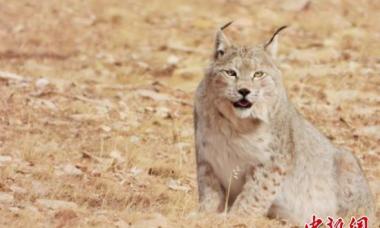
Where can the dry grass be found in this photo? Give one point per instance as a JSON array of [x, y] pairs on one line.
[[90, 133]]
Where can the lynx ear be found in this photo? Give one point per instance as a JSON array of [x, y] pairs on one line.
[[221, 42], [272, 45]]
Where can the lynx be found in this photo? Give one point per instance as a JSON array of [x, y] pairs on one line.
[[256, 155]]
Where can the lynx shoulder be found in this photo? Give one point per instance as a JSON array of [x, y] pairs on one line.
[[257, 155]]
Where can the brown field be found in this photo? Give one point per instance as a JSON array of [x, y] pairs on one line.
[[96, 101]]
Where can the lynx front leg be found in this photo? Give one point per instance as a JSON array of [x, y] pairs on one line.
[[259, 191], [211, 194]]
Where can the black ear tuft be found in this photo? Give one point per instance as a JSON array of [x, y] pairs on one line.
[[271, 46], [274, 35], [226, 25]]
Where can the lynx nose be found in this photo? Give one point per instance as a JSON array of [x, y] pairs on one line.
[[244, 92]]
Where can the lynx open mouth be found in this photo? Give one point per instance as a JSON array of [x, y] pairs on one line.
[[242, 103]]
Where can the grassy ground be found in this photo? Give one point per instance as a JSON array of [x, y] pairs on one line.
[[96, 125]]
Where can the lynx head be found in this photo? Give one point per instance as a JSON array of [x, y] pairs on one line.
[[245, 81]]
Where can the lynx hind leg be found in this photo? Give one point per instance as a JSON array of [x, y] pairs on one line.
[[354, 196], [211, 193]]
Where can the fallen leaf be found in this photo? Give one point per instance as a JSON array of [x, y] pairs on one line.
[[135, 171], [68, 169], [105, 128], [86, 117], [6, 197], [134, 139], [5, 158], [153, 95], [176, 185], [42, 83], [56, 204], [173, 60], [295, 5], [121, 224], [115, 154], [11, 76], [163, 112]]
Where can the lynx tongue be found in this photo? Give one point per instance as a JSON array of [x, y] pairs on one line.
[[243, 103]]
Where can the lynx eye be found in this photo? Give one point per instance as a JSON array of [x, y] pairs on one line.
[[231, 73], [258, 74]]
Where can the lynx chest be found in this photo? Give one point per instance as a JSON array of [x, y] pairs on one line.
[[232, 153]]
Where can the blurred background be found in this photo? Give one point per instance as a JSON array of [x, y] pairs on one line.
[[96, 100]]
